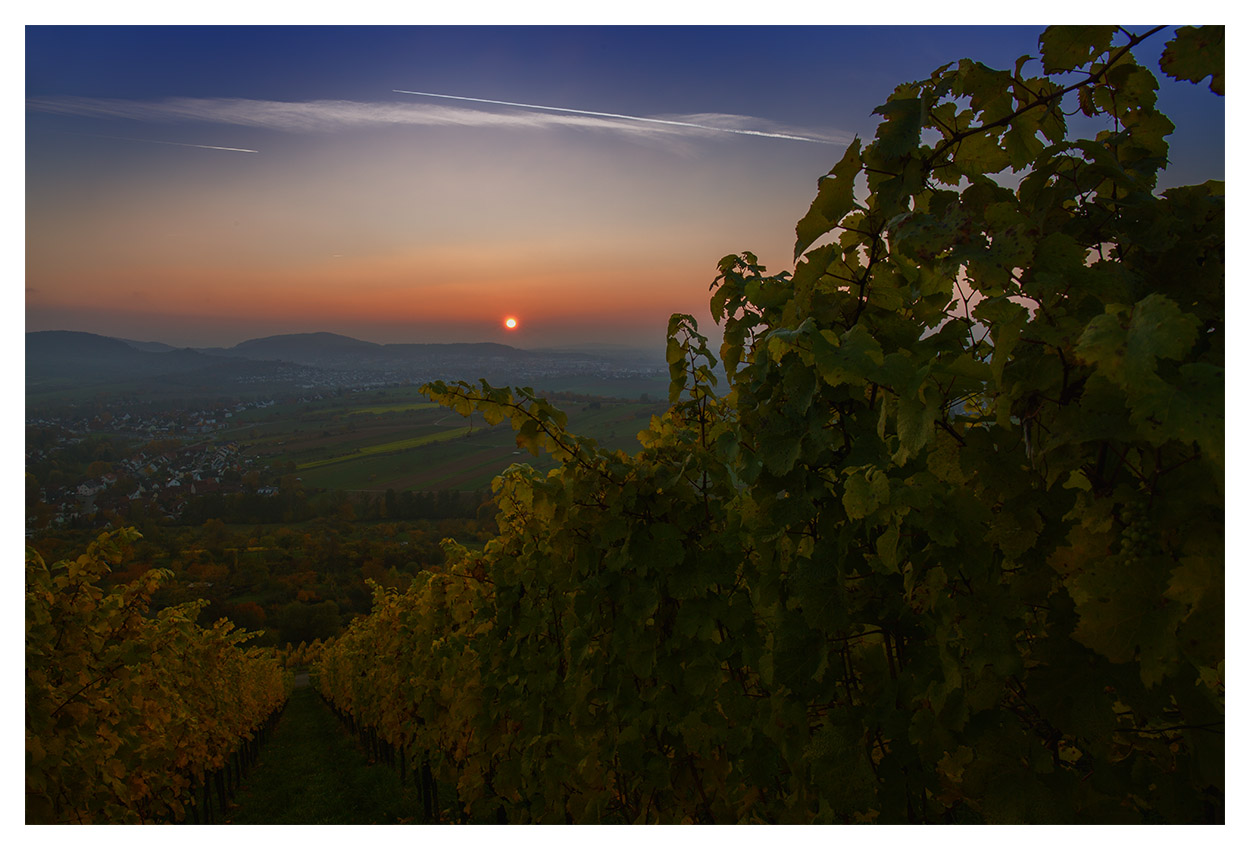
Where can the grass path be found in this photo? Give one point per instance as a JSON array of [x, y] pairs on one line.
[[312, 772]]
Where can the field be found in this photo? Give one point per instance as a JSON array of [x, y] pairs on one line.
[[391, 448], [397, 439]]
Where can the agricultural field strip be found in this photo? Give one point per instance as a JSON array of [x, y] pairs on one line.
[[488, 451], [381, 408], [314, 439], [477, 476], [354, 465], [285, 428], [295, 438], [383, 448]]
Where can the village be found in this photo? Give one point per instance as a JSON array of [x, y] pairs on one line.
[[174, 459]]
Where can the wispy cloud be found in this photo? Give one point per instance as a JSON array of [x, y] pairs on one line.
[[330, 115], [166, 142], [706, 121]]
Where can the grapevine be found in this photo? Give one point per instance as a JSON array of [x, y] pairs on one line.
[[947, 548], [129, 710]]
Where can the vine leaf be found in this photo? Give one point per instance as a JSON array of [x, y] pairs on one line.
[[899, 134], [835, 197], [1066, 48], [1195, 54]]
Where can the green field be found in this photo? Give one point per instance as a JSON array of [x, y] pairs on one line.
[[389, 448], [384, 408], [396, 439]]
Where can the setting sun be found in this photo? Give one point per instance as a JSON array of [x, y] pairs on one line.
[[510, 323]]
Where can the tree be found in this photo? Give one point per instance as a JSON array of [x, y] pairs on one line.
[[302, 621]]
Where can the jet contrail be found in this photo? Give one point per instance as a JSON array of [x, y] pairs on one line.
[[161, 142], [189, 145], [624, 117]]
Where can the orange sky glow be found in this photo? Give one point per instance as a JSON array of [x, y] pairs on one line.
[[305, 186]]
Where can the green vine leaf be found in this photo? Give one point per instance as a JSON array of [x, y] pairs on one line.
[[835, 197], [1066, 48], [1195, 54]]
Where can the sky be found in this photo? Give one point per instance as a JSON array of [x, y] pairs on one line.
[[203, 185]]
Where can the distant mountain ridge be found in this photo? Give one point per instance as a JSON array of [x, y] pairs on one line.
[[311, 346], [50, 352], [147, 346], [59, 358], [335, 351], [291, 347]]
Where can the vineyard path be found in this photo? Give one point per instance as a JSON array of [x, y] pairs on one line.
[[312, 771]]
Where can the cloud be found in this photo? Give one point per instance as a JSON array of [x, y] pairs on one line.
[[717, 122], [330, 115]]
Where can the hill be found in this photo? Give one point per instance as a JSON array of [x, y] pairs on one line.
[[60, 364], [73, 353]]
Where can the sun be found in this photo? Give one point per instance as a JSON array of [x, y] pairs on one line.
[[510, 323]]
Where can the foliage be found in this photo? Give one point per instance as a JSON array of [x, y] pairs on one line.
[[308, 621], [949, 548], [301, 656], [127, 710]]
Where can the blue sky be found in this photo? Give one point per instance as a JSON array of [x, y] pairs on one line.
[[203, 185]]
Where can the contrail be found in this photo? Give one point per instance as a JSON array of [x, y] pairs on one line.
[[161, 142], [624, 117]]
